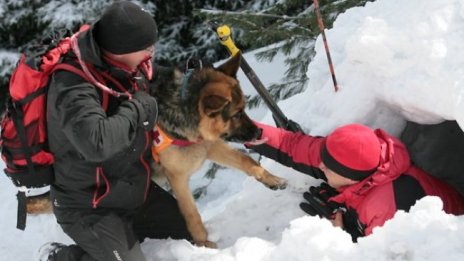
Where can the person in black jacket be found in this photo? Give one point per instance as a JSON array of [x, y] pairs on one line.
[[102, 194]]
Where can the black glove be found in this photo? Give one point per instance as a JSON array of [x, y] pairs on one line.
[[149, 112], [353, 225], [318, 201]]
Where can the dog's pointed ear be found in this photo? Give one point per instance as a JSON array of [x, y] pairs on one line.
[[214, 103], [231, 66]]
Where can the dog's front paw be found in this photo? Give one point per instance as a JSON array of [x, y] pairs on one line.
[[281, 184], [206, 243], [274, 182]]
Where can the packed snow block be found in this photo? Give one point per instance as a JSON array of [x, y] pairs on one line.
[[438, 149]]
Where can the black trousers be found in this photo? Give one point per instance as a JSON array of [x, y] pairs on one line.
[[108, 235]]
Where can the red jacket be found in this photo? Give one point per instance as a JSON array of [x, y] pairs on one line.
[[372, 198]]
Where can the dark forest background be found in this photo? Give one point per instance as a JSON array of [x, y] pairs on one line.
[[184, 30]]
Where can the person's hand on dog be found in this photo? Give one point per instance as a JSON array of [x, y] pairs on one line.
[[318, 203], [149, 112]]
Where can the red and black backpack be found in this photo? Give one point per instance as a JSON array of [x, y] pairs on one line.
[[23, 140]]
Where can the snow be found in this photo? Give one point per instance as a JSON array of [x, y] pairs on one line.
[[394, 61], [66, 13], [7, 60]]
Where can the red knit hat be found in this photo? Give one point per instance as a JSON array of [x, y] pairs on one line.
[[352, 151]]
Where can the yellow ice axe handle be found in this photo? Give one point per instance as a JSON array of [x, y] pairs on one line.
[[223, 33]]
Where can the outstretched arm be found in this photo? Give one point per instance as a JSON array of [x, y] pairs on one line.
[[296, 150]]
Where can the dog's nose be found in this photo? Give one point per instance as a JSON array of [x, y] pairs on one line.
[[258, 133]]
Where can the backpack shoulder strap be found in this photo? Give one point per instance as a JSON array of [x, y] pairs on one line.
[[73, 69]]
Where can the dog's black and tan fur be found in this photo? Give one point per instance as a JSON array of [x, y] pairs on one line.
[[208, 110]]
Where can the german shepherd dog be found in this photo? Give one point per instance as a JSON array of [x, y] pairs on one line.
[[207, 109]]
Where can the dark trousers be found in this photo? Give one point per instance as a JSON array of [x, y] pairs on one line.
[[107, 235]]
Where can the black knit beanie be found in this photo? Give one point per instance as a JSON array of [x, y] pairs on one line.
[[125, 28]]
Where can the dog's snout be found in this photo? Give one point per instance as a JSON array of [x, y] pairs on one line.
[[258, 133]]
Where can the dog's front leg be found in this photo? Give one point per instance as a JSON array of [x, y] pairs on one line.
[[221, 153], [186, 202]]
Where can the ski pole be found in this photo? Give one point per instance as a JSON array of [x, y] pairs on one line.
[[326, 45], [223, 33]]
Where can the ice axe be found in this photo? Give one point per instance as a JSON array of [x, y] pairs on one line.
[[223, 32]]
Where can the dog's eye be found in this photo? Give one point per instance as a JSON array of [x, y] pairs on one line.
[[238, 115]]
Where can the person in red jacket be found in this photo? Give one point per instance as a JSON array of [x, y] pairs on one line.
[[368, 172]]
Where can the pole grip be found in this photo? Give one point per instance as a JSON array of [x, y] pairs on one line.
[[223, 33]]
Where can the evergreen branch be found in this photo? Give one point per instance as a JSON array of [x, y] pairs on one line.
[[222, 12], [210, 174]]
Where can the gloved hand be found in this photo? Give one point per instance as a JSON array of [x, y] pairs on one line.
[[353, 225], [149, 113], [318, 201]]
